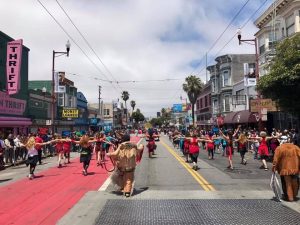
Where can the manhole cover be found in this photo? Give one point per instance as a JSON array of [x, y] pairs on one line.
[[209, 212]]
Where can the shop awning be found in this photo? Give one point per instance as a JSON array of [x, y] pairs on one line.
[[245, 117], [14, 121], [228, 119]]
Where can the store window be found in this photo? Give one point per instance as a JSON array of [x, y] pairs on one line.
[[70, 101]]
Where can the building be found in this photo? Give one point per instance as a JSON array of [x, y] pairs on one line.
[[82, 122], [65, 106], [281, 20], [228, 70], [203, 110], [13, 106]]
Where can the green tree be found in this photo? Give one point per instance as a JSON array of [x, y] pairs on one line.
[[163, 112], [282, 84], [138, 116], [157, 122], [193, 87], [125, 97]]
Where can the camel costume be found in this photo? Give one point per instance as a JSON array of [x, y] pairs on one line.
[[287, 163], [125, 158]]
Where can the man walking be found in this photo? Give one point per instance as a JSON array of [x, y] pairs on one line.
[[287, 163]]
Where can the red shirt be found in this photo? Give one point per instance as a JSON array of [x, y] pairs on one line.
[[38, 140], [193, 147], [67, 145]]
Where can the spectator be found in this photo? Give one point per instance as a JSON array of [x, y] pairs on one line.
[[287, 163]]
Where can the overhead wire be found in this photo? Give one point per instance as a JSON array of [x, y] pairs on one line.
[[72, 39], [88, 44], [252, 15]]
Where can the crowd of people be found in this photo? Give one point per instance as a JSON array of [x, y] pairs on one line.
[[279, 148]]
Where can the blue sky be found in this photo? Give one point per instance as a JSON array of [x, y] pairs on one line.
[[138, 40]]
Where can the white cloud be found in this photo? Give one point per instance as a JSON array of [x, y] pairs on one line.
[[136, 39]]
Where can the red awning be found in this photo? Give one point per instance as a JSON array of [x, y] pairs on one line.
[[228, 119], [245, 117]]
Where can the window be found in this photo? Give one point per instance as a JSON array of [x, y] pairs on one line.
[[213, 86], [61, 99], [226, 78], [197, 104], [201, 103], [205, 100], [106, 112], [226, 103], [290, 25], [215, 106], [70, 101], [240, 98]]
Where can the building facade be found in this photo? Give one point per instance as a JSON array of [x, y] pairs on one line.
[[228, 70], [203, 108], [280, 21], [82, 122], [13, 108]]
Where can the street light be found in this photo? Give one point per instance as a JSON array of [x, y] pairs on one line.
[[239, 33], [68, 45]]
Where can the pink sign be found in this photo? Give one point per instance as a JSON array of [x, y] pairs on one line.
[[10, 105], [13, 66]]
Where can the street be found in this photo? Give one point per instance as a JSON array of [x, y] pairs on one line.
[[167, 191]]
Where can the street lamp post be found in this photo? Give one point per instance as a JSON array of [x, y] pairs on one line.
[[239, 33], [68, 45], [256, 53]]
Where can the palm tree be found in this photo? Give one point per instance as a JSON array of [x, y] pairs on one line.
[[132, 104], [193, 87], [125, 97]]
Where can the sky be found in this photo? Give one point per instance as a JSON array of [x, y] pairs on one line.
[[145, 47]]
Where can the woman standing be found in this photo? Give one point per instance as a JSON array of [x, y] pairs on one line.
[[98, 148], [59, 149], [242, 149], [263, 149], [194, 151], [67, 144], [85, 153], [229, 149], [32, 156]]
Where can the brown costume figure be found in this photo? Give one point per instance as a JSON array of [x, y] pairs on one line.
[[287, 163], [125, 158]]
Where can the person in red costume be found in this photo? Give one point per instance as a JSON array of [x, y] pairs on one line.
[[39, 147]]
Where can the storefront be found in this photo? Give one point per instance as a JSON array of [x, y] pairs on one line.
[[243, 117], [13, 86], [12, 118]]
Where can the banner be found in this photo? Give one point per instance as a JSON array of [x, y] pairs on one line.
[[13, 66], [177, 108]]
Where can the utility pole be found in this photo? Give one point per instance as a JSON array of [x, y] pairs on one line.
[[99, 106]]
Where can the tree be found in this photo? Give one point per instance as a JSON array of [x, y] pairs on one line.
[[138, 116], [163, 112], [157, 122], [193, 87], [282, 84], [125, 97], [132, 104]]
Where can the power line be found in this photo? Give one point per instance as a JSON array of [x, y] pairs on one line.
[[86, 41], [252, 15], [216, 41], [56, 21]]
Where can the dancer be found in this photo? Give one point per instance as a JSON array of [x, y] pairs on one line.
[[151, 142], [67, 144], [59, 149], [85, 152], [263, 150], [32, 156], [229, 149], [98, 148], [125, 158], [242, 149]]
